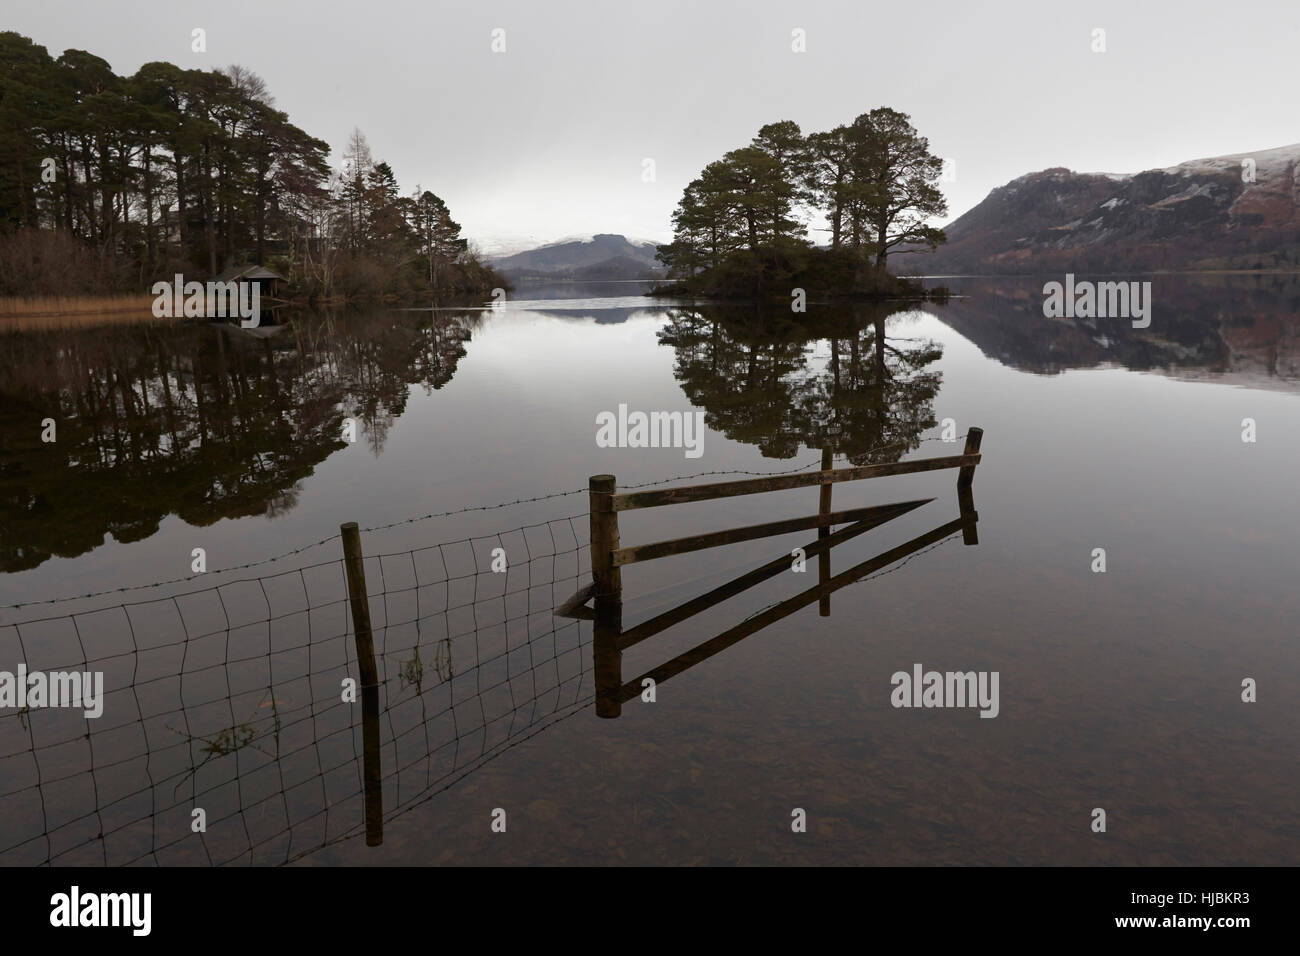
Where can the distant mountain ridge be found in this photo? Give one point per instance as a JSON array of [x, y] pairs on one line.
[[603, 256], [1200, 214]]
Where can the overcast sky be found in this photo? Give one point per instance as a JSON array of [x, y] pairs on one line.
[[548, 138]]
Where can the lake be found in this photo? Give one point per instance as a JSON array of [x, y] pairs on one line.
[[1167, 454]]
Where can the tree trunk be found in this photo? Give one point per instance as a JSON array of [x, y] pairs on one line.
[[209, 213], [882, 248], [148, 208], [181, 213], [261, 223]]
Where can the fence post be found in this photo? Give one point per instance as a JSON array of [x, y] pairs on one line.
[[354, 565], [372, 770], [360, 603], [608, 579], [969, 533], [607, 659], [824, 559], [604, 536], [967, 473]]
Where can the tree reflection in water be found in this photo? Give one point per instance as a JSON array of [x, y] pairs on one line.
[[205, 421], [762, 380]]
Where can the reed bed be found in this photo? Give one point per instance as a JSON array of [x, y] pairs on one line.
[[58, 312]]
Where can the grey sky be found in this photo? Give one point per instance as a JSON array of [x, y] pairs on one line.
[[547, 139]]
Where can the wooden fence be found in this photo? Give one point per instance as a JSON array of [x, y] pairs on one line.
[[608, 556]]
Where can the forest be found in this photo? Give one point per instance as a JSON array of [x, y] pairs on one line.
[[110, 182], [740, 229]]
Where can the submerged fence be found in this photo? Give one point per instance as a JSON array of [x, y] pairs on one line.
[[608, 557], [307, 707], [231, 699]]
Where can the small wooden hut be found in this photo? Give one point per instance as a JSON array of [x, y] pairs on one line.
[[267, 280]]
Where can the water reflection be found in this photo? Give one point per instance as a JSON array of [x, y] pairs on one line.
[[241, 714], [610, 639], [205, 421], [1243, 330], [213, 421], [762, 380]]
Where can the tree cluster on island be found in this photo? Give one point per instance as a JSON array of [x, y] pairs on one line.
[[108, 183], [740, 229]]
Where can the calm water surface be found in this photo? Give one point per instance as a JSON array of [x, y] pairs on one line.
[[1119, 690]]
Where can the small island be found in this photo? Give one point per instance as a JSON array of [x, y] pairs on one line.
[[740, 229]]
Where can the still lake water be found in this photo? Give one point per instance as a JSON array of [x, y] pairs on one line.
[[1118, 690]]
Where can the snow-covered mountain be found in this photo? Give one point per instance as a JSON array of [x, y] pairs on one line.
[[500, 245], [1235, 211]]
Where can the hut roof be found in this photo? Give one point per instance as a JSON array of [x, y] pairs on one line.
[[248, 272]]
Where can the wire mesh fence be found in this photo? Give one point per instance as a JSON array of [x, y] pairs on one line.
[[232, 700]]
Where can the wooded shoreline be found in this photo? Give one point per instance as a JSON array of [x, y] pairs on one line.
[[109, 183]]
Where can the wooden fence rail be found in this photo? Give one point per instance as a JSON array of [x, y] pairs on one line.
[[713, 539], [608, 558], [618, 693], [753, 486]]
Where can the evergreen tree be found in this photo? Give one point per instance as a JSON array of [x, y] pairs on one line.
[[196, 171], [439, 234], [900, 174]]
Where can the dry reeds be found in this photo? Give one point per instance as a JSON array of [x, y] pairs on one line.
[[81, 311]]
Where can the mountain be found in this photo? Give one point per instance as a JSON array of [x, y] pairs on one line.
[[603, 256], [1197, 215], [619, 267]]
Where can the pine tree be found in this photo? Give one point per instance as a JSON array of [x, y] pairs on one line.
[[900, 177], [439, 234]]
